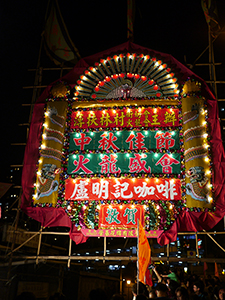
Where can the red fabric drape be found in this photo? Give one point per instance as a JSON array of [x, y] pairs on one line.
[[186, 221]]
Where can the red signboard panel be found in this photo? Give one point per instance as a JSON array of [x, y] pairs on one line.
[[120, 216], [123, 189], [110, 118]]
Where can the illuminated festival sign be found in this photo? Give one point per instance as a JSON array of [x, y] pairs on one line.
[[111, 149]]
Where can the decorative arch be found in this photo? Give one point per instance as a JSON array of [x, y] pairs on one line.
[[127, 75]]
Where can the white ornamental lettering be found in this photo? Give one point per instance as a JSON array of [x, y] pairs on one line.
[[169, 192], [101, 189], [143, 191], [80, 191], [120, 189]]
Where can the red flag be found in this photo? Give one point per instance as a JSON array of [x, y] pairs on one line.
[[211, 15], [148, 276], [144, 253], [130, 19], [216, 270], [205, 268]]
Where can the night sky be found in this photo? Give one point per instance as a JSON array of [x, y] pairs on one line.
[[175, 27]]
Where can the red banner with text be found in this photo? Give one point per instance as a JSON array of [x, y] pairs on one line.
[[120, 216], [138, 117], [123, 189]]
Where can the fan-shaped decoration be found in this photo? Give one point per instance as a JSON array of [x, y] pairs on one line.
[[127, 75]]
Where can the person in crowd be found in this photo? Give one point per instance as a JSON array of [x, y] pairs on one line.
[[222, 293], [161, 291], [152, 294], [26, 296], [165, 278], [172, 286], [98, 294], [218, 292], [117, 297], [153, 267], [181, 293], [216, 280], [209, 286], [141, 290], [198, 289], [141, 297], [172, 275], [180, 274], [57, 296], [189, 283]]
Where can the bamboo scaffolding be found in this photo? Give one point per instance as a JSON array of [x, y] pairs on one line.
[[114, 258], [52, 69]]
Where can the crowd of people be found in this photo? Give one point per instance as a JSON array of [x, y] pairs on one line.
[[170, 285]]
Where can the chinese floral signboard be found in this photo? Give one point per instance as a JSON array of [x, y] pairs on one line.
[[116, 145]]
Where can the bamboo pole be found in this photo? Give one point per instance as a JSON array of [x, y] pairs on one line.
[[194, 63], [21, 245], [121, 280], [214, 73], [196, 244], [39, 245], [34, 97], [210, 56], [69, 257], [104, 254], [34, 87], [168, 253], [61, 275], [204, 64], [115, 258], [216, 81], [215, 241], [52, 69]]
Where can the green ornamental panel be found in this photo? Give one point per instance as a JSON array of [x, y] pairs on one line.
[[117, 163], [124, 140]]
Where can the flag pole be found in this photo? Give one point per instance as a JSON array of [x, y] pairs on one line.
[[137, 256]]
